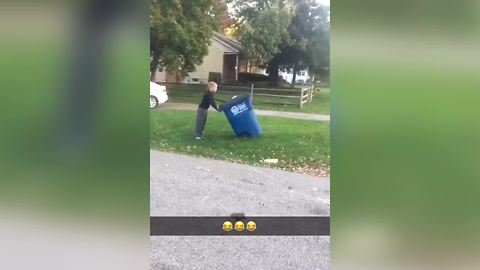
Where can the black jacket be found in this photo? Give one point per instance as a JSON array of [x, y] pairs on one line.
[[207, 101]]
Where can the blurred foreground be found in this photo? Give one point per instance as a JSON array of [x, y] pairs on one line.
[[405, 129], [74, 135]]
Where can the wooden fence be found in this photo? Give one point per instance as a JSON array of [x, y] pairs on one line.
[[283, 96], [306, 95]]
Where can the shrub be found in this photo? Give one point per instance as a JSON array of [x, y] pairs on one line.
[[215, 77], [252, 77]]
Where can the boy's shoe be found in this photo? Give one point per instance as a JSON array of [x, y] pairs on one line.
[[198, 138]]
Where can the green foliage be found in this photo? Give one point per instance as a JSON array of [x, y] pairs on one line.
[[263, 26], [180, 32], [287, 34], [318, 46], [262, 36], [246, 77], [308, 44], [223, 19]]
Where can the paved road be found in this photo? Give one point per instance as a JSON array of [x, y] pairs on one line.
[[223, 252], [183, 185], [292, 115]]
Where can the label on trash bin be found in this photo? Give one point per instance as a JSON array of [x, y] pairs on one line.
[[239, 108]]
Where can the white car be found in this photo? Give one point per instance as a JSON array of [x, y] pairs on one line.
[[158, 94]]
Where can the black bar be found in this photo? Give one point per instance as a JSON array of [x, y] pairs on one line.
[[264, 226]]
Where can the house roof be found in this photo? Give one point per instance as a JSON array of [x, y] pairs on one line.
[[233, 46]]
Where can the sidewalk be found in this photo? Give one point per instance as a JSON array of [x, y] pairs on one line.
[[292, 115]]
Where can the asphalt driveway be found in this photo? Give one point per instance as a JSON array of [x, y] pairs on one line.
[[192, 186]]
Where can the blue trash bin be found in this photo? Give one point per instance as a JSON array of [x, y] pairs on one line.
[[242, 118]]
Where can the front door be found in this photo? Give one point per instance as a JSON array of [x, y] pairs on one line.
[[229, 67]]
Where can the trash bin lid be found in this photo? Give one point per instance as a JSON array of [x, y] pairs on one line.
[[234, 101]]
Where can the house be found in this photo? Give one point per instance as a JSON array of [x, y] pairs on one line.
[[224, 56], [302, 77]]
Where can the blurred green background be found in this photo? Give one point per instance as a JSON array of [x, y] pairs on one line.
[[405, 134], [74, 154], [48, 161]]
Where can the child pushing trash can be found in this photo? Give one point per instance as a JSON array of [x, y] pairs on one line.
[[202, 111]]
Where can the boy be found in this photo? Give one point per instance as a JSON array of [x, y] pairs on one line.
[[207, 101]]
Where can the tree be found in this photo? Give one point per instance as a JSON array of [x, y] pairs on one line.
[[319, 46], [291, 34], [308, 43], [263, 24], [263, 34], [180, 33], [223, 19]]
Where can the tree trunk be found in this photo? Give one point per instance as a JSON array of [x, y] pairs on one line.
[[294, 77], [273, 72], [154, 66]]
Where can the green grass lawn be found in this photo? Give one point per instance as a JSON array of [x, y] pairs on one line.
[[298, 145], [319, 105]]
